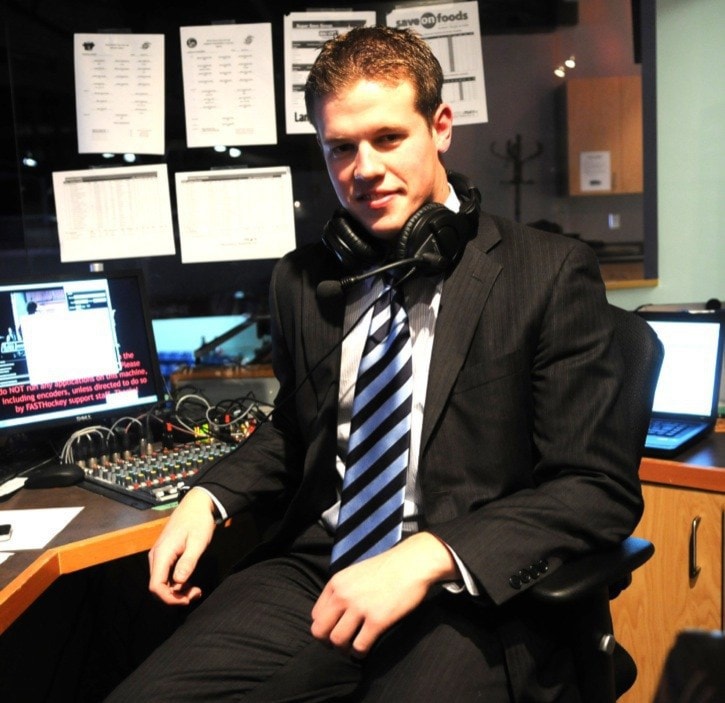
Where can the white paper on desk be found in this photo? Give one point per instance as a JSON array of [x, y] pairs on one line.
[[4, 556], [114, 213], [235, 214], [304, 35], [35, 527], [453, 32], [119, 93], [228, 85]]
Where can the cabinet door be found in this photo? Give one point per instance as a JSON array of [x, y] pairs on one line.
[[605, 115], [665, 597], [630, 177]]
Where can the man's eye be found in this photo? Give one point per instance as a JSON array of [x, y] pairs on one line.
[[341, 149], [390, 139]]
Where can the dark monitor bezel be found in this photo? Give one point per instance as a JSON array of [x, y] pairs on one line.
[[98, 416], [697, 316]]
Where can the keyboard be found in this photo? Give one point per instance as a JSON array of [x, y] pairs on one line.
[[667, 428], [155, 478]]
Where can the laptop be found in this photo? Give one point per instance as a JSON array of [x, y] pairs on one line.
[[685, 407]]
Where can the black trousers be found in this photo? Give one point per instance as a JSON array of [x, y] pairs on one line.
[[250, 641]]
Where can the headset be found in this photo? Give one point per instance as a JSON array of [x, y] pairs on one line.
[[433, 235]]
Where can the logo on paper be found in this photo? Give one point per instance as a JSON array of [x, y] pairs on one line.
[[429, 20]]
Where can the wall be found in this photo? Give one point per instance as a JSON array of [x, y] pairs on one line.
[[521, 87], [690, 154], [525, 98]]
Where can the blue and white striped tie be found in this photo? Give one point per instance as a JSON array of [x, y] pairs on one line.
[[373, 489]]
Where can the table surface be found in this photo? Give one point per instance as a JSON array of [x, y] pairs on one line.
[[104, 530], [701, 466]]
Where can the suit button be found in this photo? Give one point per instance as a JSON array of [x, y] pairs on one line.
[[525, 576], [534, 571], [515, 582], [542, 565]]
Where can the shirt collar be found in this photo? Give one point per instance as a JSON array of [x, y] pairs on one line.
[[452, 201]]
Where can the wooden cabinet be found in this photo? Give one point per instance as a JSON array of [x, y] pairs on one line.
[[665, 596], [604, 123]]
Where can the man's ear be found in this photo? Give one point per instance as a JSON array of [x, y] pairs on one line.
[[443, 127]]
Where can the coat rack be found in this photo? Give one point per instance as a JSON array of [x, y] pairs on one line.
[[513, 154]]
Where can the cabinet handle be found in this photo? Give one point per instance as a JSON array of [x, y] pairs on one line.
[[694, 568]]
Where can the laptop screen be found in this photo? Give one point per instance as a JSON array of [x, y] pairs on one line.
[[690, 376]]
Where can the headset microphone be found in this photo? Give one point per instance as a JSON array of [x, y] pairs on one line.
[[330, 290], [427, 262]]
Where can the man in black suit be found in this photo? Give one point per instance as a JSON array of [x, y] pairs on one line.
[[514, 465]]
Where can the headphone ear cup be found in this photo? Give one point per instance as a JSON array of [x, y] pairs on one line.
[[352, 247], [416, 230], [435, 230]]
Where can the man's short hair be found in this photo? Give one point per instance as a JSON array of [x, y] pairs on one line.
[[380, 54]]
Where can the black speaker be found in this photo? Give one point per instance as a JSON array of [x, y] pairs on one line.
[[433, 229]]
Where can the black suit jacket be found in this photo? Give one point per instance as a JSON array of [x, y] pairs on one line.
[[520, 464]]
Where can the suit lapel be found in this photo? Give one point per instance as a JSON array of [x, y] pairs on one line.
[[322, 330], [464, 296]]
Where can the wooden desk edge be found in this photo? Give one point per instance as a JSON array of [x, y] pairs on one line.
[[22, 591], [673, 473]]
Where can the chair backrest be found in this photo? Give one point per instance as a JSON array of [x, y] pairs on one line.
[[606, 673], [643, 354], [583, 587]]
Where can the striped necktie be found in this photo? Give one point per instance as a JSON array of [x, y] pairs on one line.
[[373, 488]]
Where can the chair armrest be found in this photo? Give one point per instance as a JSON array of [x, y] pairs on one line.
[[581, 577]]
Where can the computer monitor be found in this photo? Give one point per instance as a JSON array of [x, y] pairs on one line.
[[75, 350]]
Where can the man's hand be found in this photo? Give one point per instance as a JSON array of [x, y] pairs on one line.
[[176, 552], [362, 601]]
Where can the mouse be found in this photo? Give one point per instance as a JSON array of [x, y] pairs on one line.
[[54, 475]]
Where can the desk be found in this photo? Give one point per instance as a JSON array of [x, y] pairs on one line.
[[684, 504], [103, 531], [701, 466], [647, 616]]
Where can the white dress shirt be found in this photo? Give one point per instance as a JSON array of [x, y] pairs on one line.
[[422, 300]]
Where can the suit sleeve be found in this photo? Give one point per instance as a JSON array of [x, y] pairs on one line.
[[547, 478], [266, 467]]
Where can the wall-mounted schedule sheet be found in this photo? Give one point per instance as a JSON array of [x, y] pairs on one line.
[[113, 213], [235, 214], [119, 93], [304, 35], [454, 34], [228, 85]]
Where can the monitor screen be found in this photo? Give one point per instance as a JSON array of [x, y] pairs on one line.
[[75, 350]]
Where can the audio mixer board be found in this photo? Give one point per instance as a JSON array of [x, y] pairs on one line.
[[156, 477]]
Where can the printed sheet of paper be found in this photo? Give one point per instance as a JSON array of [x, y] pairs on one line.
[[454, 34], [595, 171], [235, 214], [114, 213], [228, 85], [304, 35], [35, 527], [119, 93]]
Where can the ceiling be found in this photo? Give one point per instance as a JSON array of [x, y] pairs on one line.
[[496, 16]]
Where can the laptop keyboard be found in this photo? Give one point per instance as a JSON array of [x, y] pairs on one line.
[[667, 428]]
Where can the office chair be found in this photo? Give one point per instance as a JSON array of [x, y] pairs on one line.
[[583, 587], [693, 671]]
